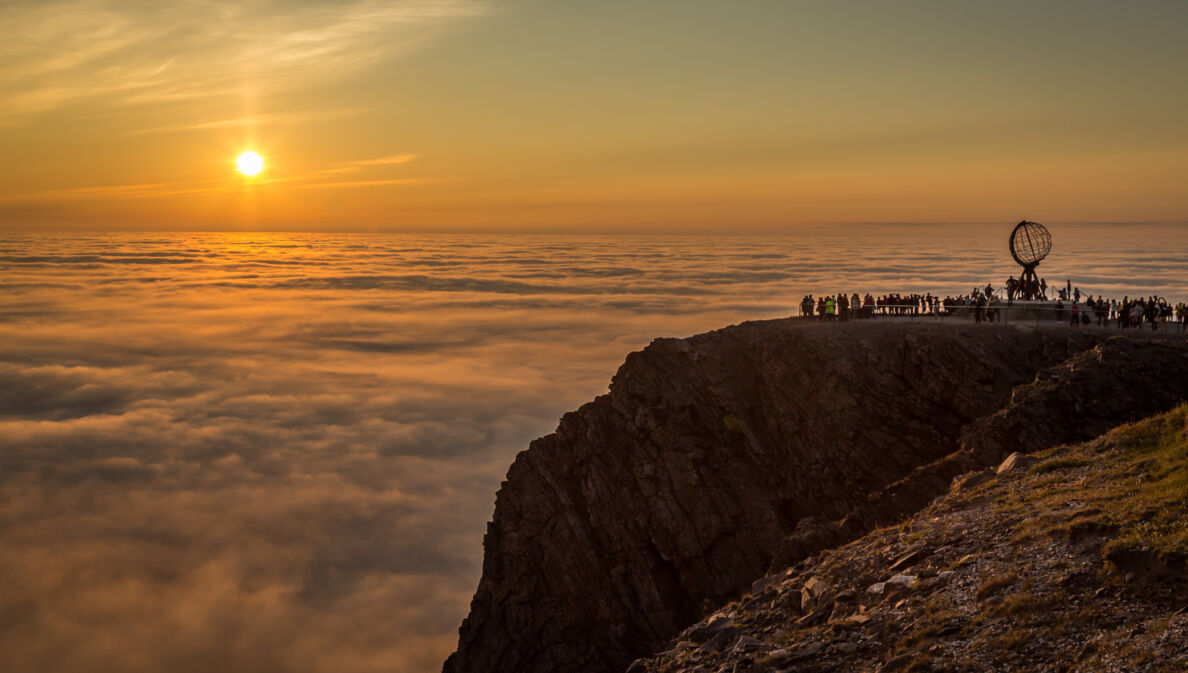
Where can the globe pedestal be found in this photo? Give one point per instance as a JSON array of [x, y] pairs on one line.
[[1029, 284]]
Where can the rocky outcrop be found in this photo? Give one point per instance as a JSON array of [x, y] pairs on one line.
[[711, 457], [1118, 381]]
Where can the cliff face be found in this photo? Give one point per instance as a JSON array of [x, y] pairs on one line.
[[711, 457]]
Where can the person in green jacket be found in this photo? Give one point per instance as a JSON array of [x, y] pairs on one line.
[[830, 309]]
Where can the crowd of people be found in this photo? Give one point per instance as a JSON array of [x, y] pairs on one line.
[[985, 304], [1154, 311]]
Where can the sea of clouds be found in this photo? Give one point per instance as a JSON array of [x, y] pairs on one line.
[[267, 452]]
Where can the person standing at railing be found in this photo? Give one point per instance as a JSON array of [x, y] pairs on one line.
[[1136, 315]]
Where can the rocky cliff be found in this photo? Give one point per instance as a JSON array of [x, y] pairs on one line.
[[714, 457], [1069, 561]]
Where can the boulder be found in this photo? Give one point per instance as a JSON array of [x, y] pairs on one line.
[[847, 596], [906, 581], [1016, 462], [708, 630], [851, 621], [907, 560], [814, 594], [760, 586]]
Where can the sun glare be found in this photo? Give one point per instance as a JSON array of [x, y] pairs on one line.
[[250, 163]]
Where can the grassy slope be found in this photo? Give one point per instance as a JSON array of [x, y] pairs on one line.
[[1131, 486]]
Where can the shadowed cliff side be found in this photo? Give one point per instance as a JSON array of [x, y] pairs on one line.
[[1120, 380], [679, 487]]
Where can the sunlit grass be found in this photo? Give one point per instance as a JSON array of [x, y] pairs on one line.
[[1130, 487]]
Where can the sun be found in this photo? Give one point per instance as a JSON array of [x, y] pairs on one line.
[[250, 163]]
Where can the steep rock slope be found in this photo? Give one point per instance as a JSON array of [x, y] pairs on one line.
[[673, 492]]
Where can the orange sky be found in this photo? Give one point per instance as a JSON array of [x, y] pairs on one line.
[[448, 115]]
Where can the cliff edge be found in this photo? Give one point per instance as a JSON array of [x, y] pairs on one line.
[[715, 458]]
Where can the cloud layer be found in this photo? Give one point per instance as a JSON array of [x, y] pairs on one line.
[[279, 452], [112, 51]]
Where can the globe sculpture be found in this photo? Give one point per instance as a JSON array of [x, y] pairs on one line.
[[1030, 244]]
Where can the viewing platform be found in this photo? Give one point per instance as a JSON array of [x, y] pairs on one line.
[[1032, 313]]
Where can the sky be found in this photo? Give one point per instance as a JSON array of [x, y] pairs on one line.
[[668, 116]]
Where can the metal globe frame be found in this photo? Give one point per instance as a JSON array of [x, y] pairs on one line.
[[1030, 243]]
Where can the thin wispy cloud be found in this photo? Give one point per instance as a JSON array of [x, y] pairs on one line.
[[126, 191], [154, 190], [385, 161], [365, 183], [112, 52], [356, 166], [256, 120]]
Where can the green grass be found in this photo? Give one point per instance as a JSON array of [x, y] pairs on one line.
[[1129, 487], [1151, 511], [1058, 464]]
